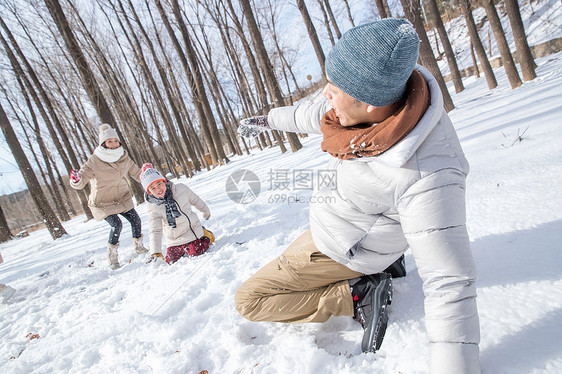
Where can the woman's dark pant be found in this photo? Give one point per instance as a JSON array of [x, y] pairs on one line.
[[116, 225]]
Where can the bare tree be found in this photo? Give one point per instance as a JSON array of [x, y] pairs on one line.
[[326, 22], [332, 18], [349, 16], [412, 9], [194, 78], [52, 186], [258, 81], [312, 35], [89, 80], [169, 80], [5, 233], [501, 41], [286, 66], [267, 69], [25, 84], [474, 61], [381, 8], [451, 60], [477, 44], [200, 91], [524, 54], [149, 79], [206, 52], [45, 211]]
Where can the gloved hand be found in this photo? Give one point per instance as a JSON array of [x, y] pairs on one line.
[[154, 257], [145, 166], [75, 176], [253, 126], [207, 215]]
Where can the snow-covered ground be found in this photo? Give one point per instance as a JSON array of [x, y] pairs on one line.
[[150, 318], [72, 314]]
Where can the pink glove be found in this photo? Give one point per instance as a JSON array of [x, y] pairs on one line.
[[75, 176], [145, 166]]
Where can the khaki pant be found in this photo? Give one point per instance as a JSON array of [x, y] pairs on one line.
[[301, 285]]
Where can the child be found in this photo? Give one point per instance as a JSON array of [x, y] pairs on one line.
[[169, 213], [107, 171]]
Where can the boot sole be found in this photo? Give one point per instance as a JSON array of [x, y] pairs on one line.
[[378, 319]]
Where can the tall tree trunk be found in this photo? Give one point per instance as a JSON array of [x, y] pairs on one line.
[[524, 55], [45, 152], [477, 44], [312, 35], [174, 92], [332, 18], [215, 87], [381, 8], [88, 78], [451, 60], [200, 91], [474, 61], [387, 8], [349, 16], [5, 233], [123, 93], [152, 85], [201, 113], [241, 81], [271, 81], [25, 83], [286, 67], [90, 83], [52, 186], [326, 22], [412, 9], [501, 41], [184, 161], [258, 82], [45, 211]]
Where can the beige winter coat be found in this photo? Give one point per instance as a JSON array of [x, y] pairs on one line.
[[188, 226], [109, 190]]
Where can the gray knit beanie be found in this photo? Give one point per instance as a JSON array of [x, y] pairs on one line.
[[373, 62]]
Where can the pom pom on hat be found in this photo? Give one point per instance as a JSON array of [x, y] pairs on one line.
[[106, 132], [373, 62], [150, 176]]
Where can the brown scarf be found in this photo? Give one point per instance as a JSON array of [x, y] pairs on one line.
[[365, 140]]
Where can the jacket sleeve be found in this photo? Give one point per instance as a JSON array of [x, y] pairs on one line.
[[87, 173], [432, 215], [196, 201], [134, 171], [154, 229], [302, 118]]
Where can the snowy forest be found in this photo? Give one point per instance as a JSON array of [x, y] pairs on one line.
[[175, 77]]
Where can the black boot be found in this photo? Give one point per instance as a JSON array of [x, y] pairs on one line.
[[371, 296], [397, 269]]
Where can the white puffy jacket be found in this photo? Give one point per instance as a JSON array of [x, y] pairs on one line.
[[188, 226], [413, 195]]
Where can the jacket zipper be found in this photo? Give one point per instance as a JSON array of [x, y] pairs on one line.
[[188, 220]]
